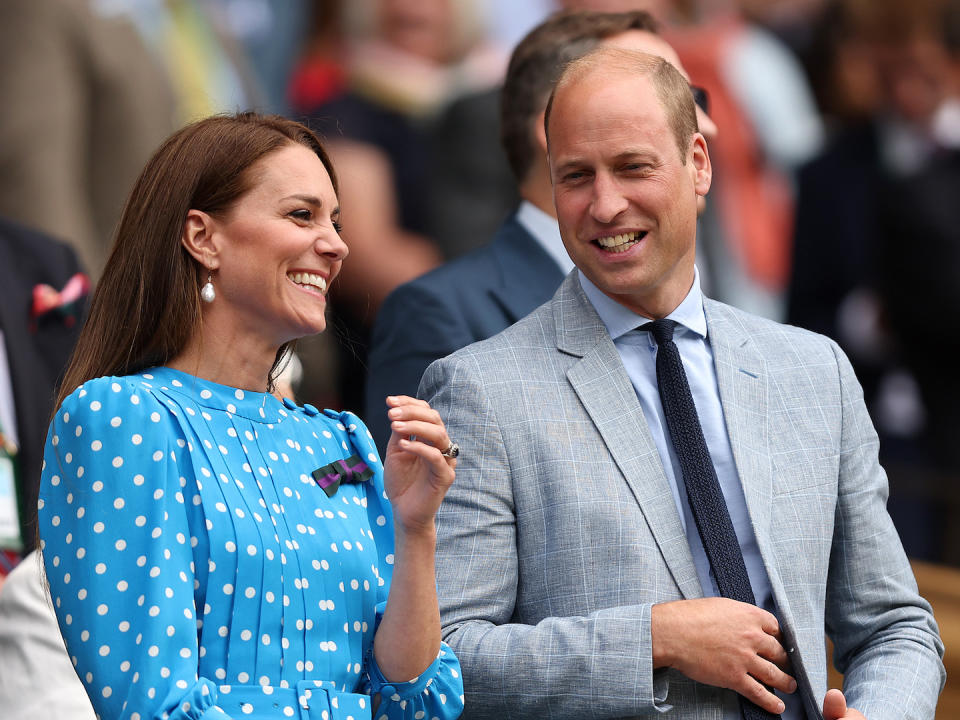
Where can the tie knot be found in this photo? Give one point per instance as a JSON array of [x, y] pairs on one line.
[[662, 330]]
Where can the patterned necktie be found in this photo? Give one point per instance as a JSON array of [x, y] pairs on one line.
[[700, 479]]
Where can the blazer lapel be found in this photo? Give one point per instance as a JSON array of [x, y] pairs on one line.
[[742, 378], [528, 275], [743, 381], [604, 388]]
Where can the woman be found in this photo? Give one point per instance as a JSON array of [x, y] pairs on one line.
[[212, 551]]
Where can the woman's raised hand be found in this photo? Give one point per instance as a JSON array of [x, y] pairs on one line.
[[417, 473]]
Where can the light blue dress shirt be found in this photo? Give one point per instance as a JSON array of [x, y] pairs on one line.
[[546, 232], [638, 350]]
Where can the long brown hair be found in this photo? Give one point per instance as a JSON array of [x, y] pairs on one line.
[[146, 305]]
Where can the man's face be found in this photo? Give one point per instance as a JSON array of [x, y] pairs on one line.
[[626, 199]]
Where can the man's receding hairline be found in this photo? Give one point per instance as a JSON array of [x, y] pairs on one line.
[[577, 72]]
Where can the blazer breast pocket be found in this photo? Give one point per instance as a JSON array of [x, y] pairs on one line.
[[805, 472]]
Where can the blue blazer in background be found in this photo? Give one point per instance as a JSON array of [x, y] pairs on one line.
[[469, 299]]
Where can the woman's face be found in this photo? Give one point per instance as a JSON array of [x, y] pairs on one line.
[[279, 249]]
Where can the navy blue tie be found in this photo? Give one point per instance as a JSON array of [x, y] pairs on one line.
[[700, 479]]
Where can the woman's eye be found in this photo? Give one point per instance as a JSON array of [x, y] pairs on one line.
[[302, 215], [337, 226]]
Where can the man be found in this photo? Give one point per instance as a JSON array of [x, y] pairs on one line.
[[485, 292], [572, 568], [43, 296]]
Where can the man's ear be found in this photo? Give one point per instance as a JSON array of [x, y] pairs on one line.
[[199, 239], [539, 131], [700, 159]]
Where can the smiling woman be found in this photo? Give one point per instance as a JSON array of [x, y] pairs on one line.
[[213, 551]]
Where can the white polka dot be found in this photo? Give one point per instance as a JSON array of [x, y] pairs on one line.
[[116, 422], [95, 405], [96, 445]]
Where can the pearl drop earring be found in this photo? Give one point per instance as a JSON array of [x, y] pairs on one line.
[[207, 293]]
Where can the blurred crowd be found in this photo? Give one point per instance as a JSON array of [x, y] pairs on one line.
[[836, 199]]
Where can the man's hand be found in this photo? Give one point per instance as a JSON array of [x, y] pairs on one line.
[[725, 643], [835, 707]]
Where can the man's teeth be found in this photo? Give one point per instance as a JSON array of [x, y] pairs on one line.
[[620, 243], [317, 281]]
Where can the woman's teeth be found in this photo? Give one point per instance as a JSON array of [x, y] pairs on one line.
[[620, 243], [316, 281]]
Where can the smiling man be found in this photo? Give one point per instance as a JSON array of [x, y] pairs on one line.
[[663, 503]]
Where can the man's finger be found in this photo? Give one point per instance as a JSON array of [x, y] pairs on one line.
[[834, 705], [761, 696], [772, 676], [775, 653]]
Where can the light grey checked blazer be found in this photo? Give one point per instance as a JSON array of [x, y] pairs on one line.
[[561, 529]]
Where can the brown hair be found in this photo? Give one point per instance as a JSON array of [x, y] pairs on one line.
[[671, 87], [146, 305], [537, 62]]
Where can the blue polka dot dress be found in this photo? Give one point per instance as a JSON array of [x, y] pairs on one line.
[[198, 567]]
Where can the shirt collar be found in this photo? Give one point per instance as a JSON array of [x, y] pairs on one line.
[[620, 320], [546, 232]]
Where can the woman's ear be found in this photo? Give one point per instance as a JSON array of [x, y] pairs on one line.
[[199, 239]]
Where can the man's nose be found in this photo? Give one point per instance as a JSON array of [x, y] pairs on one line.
[[608, 199]]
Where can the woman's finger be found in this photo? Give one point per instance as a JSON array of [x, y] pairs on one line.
[[433, 434], [442, 465]]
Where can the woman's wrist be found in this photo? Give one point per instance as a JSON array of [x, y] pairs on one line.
[[421, 535]]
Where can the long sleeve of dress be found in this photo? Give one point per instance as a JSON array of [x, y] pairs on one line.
[[118, 554], [438, 691]]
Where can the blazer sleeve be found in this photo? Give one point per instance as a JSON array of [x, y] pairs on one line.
[[597, 665], [886, 640]]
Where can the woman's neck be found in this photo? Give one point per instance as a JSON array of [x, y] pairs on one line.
[[234, 361]]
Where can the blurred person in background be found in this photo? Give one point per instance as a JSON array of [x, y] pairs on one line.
[[919, 267], [85, 103], [874, 249], [43, 298], [97, 84], [486, 291], [405, 60]]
